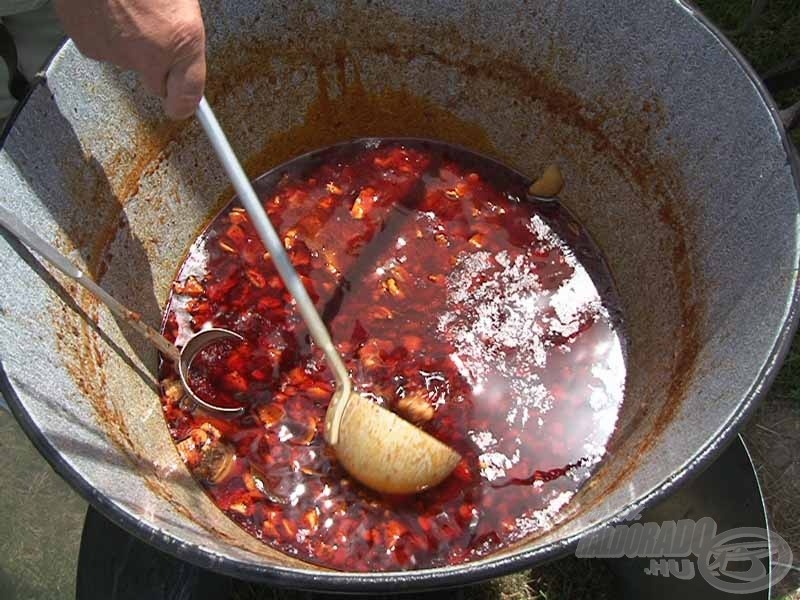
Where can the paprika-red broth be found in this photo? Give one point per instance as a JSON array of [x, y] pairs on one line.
[[454, 302]]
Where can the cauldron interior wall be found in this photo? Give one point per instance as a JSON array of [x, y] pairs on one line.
[[671, 157]]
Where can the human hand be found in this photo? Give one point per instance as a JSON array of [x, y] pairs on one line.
[[162, 40]]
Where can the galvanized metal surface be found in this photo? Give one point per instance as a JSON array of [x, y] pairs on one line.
[[673, 159]]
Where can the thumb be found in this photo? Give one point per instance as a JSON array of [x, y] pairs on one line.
[[185, 84]]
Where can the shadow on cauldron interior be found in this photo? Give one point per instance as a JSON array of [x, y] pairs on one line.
[[64, 295], [92, 199]]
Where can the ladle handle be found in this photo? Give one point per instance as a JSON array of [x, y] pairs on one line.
[[21, 231], [273, 243]]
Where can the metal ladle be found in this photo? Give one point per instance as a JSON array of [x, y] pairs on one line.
[[376, 446], [182, 358]]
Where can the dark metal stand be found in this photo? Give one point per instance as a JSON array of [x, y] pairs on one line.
[[17, 83], [729, 493], [113, 565]]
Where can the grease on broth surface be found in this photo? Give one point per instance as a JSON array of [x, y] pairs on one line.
[[453, 302]]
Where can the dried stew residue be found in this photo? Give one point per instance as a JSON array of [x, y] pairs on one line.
[[453, 302]]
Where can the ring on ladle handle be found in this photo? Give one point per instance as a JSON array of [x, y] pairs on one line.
[[181, 358], [193, 346]]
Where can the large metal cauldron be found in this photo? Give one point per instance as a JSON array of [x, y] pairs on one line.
[[673, 156]]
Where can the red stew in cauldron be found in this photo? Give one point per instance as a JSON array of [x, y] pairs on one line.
[[453, 302]]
